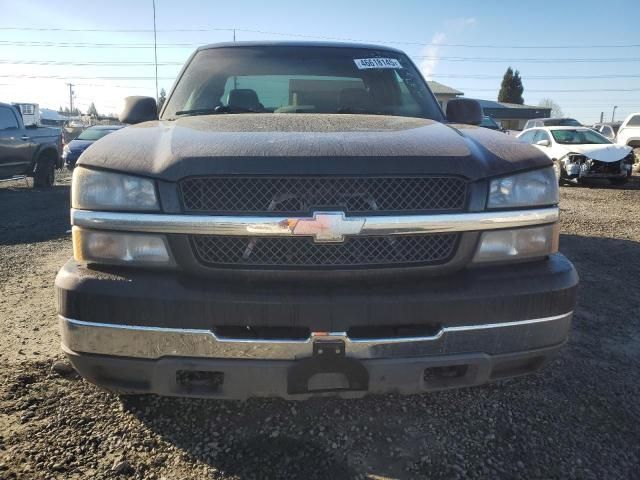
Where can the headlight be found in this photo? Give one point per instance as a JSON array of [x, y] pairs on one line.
[[100, 190], [120, 248], [528, 189], [523, 243]]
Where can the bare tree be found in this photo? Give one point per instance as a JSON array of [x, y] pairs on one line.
[[556, 110]]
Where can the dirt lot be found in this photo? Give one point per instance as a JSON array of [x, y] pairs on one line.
[[579, 418]]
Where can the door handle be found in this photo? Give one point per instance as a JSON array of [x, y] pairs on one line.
[[25, 137]]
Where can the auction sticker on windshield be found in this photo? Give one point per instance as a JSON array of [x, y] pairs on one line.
[[363, 63]]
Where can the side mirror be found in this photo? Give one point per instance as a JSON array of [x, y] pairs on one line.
[[543, 143], [464, 110], [138, 110]]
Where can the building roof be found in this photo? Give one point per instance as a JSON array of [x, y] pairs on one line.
[[440, 89]]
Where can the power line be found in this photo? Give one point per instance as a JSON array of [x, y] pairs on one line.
[[114, 63], [64, 77], [525, 60], [310, 36], [557, 91], [28, 43], [531, 77]]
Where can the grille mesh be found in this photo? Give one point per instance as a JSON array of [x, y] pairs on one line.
[[303, 194], [288, 252]]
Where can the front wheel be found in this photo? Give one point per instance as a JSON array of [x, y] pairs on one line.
[[44, 175]]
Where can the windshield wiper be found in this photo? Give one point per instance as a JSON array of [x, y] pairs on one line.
[[215, 111]]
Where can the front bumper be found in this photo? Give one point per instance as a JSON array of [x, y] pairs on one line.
[[142, 331], [294, 380]]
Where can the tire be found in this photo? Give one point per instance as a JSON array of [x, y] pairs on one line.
[[44, 175]]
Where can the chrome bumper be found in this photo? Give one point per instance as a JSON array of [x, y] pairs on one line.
[[285, 226], [154, 343]]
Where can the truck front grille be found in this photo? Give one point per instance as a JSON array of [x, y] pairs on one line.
[[292, 252], [302, 195]]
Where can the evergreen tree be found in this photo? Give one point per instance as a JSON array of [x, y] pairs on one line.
[[511, 88], [93, 111]]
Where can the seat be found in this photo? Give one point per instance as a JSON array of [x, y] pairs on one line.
[[245, 98], [353, 99]]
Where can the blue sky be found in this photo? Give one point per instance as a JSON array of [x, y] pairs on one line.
[[485, 33]]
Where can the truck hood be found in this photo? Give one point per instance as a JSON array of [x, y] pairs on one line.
[[309, 144], [602, 153]]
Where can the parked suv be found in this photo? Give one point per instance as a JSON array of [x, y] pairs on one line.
[[304, 220], [629, 133], [608, 129]]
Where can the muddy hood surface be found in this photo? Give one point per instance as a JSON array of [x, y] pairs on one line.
[[309, 144]]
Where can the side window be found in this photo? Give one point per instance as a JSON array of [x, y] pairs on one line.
[[527, 137], [607, 131], [634, 121], [541, 135], [7, 119]]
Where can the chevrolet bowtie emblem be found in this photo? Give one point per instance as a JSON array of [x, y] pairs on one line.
[[327, 226]]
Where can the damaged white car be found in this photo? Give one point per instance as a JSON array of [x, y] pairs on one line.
[[580, 153]]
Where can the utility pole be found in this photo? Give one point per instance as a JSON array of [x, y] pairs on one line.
[[70, 98], [601, 117], [235, 78], [613, 114], [155, 45]]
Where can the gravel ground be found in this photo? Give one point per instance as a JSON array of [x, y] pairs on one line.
[[579, 418]]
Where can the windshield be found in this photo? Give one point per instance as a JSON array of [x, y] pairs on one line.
[[291, 79], [562, 122], [93, 133], [578, 137]]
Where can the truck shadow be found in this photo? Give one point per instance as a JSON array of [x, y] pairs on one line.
[[509, 429], [29, 215]]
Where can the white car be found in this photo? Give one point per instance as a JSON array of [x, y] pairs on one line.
[[629, 132], [579, 153]]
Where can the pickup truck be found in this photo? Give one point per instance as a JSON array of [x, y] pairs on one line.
[[30, 151], [303, 220]]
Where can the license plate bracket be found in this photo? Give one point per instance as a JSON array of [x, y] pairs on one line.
[[329, 356]]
